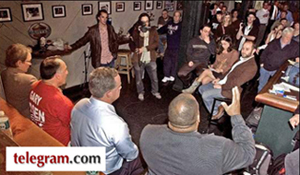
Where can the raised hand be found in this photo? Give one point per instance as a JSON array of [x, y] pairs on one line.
[[235, 107]]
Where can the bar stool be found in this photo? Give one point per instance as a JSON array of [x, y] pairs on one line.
[[123, 63]]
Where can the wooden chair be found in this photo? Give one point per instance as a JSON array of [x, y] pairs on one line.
[[123, 63]]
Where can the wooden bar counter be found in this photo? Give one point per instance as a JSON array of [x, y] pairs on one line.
[[273, 129], [25, 133], [276, 101]]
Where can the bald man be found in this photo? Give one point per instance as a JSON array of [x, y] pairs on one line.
[[177, 148]]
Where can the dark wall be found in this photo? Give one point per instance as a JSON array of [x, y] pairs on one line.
[[191, 22]]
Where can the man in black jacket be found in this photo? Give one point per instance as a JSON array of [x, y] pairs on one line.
[[103, 40], [277, 53]]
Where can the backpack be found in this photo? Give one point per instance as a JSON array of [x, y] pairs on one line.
[[262, 161], [277, 168]]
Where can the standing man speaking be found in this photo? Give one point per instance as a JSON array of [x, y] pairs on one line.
[[103, 40]]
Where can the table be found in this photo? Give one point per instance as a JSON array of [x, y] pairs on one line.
[[26, 133], [273, 129]]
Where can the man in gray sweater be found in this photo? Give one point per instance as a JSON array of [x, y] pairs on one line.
[[177, 148]]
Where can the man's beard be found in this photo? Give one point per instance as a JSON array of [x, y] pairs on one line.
[[247, 56]]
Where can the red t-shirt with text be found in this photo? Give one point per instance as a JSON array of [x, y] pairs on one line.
[[51, 110]]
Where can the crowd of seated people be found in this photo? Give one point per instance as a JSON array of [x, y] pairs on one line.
[[166, 149]]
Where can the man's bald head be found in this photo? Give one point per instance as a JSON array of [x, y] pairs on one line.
[[183, 111]]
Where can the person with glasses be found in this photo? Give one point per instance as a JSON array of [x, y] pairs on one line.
[[145, 38], [103, 40], [16, 82]]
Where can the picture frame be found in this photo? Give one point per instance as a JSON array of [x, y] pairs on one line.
[[106, 5], [137, 6], [120, 7], [148, 5], [5, 14], [159, 4], [169, 5], [87, 9], [32, 12], [179, 5], [58, 11]]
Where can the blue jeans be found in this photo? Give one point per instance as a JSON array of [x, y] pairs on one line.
[[151, 69], [264, 77], [161, 44], [111, 64], [208, 93]]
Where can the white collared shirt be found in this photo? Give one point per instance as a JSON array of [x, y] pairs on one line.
[[241, 61], [96, 123]]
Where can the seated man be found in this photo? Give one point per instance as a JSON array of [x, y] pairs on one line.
[[276, 54], [177, 148], [198, 53], [49, 108], [16, 82], [241, 72], [95, 123]]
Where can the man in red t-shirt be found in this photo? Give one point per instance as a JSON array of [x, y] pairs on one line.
[[49, 108]]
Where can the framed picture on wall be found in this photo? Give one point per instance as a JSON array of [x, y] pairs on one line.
[[137, 6], [87, 9], [148, 5], [179, 5], [32, 12], [120, 7], [5, 14], [159, 4], [105, 5], [169, 5], [58, 11]]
